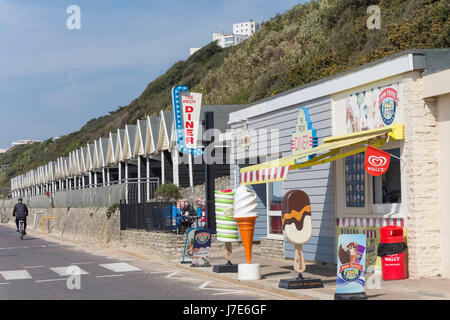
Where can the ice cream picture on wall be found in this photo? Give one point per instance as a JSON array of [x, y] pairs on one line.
[[246, 213], [297, 229]]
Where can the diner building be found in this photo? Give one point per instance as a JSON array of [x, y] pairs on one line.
[[314, 138]]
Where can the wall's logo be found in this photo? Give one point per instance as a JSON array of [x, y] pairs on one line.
[[377, 161], [388, 101], [392, 258], [304, 137]]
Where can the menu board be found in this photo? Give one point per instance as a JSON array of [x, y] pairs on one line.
[[202, 247], [355, 180], [351, 255]]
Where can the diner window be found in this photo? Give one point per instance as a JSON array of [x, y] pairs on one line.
[[274, 200], [362, 194], [387, 187]]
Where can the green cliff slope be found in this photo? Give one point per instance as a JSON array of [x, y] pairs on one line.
[[306, 43]]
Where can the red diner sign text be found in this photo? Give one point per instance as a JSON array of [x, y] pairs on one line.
[[189, 125]]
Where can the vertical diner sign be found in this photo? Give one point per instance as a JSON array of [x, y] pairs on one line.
[[191, 103], [186, 119]]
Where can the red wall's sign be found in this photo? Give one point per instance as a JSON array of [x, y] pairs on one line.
[[377, 161]]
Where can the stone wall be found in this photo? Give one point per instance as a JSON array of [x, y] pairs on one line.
[[166, 245], [98, 225], [272, 248], [198, 191], [422, 179], [86, 224]]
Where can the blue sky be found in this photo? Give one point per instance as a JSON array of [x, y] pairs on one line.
[[53, 80]]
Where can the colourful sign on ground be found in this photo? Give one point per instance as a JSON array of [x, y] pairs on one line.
[[189, 245], [351, 259], [202, 246]]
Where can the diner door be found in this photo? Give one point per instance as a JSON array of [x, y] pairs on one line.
[[274, 200]]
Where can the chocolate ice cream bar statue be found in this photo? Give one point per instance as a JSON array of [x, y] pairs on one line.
[[297, 229]]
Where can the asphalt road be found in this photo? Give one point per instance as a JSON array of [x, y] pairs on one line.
[[36, 269]]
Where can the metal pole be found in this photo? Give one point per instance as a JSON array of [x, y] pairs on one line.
[[139, 178], [209, 178], [148, 178], [126, 182]]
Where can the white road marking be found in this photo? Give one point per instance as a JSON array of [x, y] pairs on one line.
[[171, 276], [15, 274], [62, 271], [204, 285], [32, 267], [116, 257], [120, 267], [77, 263], [51, 280], [110, 276], [4, 283]]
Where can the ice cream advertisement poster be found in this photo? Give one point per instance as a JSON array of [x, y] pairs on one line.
[[189, 245], [202, 246], [373, 108], [351, 254], [372, 241]]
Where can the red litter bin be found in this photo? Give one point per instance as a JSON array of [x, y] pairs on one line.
[[392, 252]]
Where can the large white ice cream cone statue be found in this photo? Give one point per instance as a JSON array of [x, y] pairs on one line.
[[226, 225], [245, 213]]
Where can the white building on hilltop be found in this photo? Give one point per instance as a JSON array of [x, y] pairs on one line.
[[20, 142], [226, 40], [246, 28], [241, 32]]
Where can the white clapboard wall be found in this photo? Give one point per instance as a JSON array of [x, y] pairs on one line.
[[316, 181]]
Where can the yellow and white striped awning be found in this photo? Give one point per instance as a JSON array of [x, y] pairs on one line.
[[332, 149]]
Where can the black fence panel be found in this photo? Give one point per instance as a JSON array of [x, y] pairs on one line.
[[147, 216]]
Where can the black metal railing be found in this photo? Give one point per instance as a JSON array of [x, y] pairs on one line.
[[148, 216]]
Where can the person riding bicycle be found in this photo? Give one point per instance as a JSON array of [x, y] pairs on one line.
[[21, 212]]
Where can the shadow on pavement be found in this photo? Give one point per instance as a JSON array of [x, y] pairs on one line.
[[273, 274]]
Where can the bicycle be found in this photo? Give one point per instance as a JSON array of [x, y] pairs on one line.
[[21, 229]]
